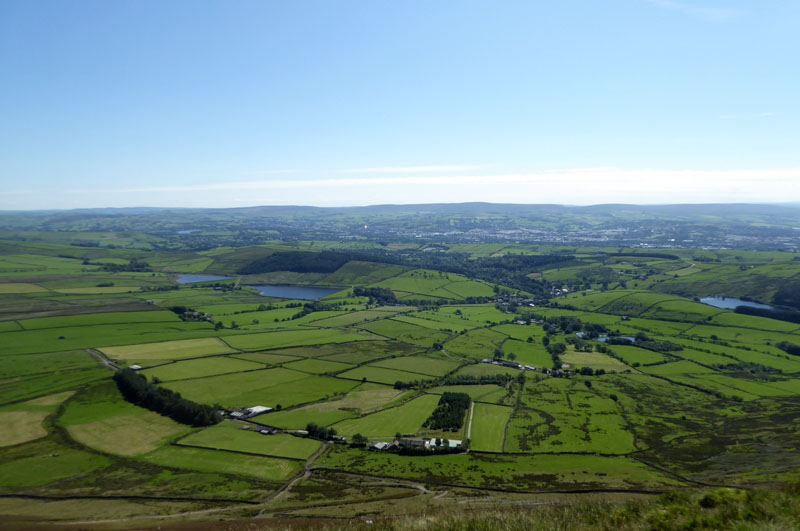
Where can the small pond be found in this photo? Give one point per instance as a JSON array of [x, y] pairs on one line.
[[192, 279], [729, 303], [306, 293]]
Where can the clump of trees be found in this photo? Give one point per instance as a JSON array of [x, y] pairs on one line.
[[319, 432], [377, 295], [297, 262], [135, 265], [449, 414], [789, 348], [136, 389]]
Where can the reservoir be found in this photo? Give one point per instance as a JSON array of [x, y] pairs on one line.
[[192, 279], [729, 303], [306, 293]]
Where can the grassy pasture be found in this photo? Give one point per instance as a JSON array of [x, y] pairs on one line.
[[704, 358], [635, 303], [592, 301], [762, 389], [489, 393], [533, 354], [419, 364], [406, 419], [782, 362], [39, 470], [266, 358], [722, 389], [676, 367], [476, 313], [352, 318], [100, 418], [469, 288], [99, 290], [409, 333], [99, 336], [20, 287], [488, 427], [363, 273], [264, 468], [51, 362], [522, 473], [562, 418], [231, 436], [170, 350], [99, 319], [200, 368], [436, 284], [632, 355], [318, 366], [485, 369], [217, 388], [595, 360], [31, 386], [435, 325], [365, 398], [753, 321], [9, 326], [381, 375], [681, 310], [476, 344], [520, 332], [291, 338], [268, 387], [22, 422], [447, 320]]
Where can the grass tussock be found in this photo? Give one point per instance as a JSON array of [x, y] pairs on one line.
[[761, 509]]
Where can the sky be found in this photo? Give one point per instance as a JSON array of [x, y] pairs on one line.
[[338, 103]]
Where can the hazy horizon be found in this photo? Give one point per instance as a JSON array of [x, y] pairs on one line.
[[214, 105]]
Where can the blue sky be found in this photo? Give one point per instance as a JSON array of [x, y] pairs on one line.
[[220, 104]]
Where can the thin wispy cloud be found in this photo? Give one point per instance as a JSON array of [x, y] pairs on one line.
[[413, 169], [571, 186], [746, 116], [713, 13]]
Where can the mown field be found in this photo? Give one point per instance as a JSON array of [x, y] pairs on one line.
[[633, 387]]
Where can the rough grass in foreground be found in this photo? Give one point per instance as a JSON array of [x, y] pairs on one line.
[[765, 509]]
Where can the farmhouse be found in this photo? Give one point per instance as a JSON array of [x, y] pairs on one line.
[[408, 442]]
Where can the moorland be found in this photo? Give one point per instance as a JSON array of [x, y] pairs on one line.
[[538, 374]]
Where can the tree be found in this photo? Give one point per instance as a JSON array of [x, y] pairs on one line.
[[359, 441], [512, 356], [545, 340]]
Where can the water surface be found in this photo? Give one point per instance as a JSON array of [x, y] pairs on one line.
[[192, 279], [729, 303], [306, 293]]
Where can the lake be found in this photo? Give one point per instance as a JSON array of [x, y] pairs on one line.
[[306, 293], [192, 279], [729, 303]]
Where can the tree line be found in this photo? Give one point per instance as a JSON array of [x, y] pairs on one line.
[[137, 390], [449, 413]]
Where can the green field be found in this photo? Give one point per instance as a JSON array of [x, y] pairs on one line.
[[410, 333], [232, 437], [100, 419], [171, 350], [420, 364], [200, 368], [292, 338], [406, 419], [370, 373], [263, 468], [488, 427], [712, 399]]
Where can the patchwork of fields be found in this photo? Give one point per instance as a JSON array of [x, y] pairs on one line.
[[625, 387]]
